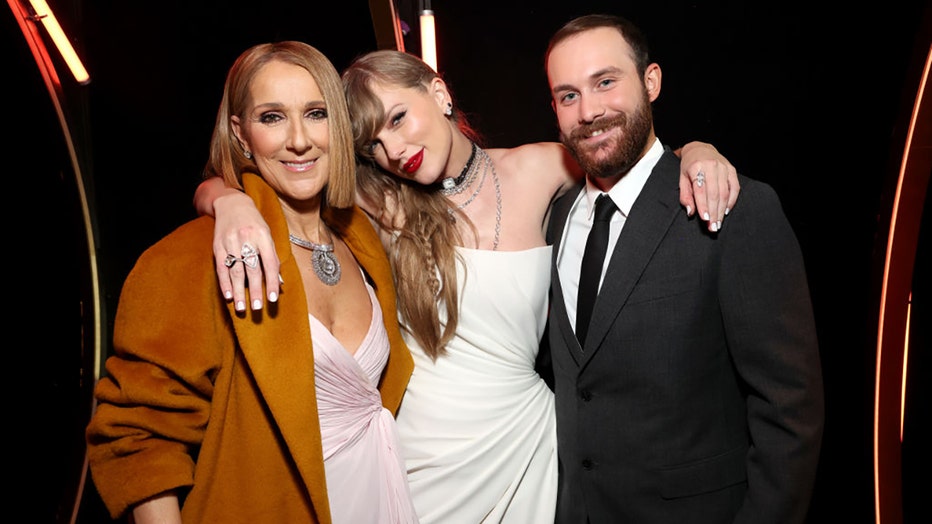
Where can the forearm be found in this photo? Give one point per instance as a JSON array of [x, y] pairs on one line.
[[161, 509], [208, 192]]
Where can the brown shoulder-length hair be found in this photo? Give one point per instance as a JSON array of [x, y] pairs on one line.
[[423, 254], [227, 158]]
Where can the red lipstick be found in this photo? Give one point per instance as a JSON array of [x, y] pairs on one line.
[[413, 163]]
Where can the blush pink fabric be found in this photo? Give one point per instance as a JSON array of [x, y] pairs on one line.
[[366, 480]]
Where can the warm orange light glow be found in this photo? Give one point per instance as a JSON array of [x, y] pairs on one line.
[[428, 39], [895, 309], [44, 14], [909, 310]]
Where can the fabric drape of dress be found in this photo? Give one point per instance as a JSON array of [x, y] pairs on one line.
[[366, 482], [477, 427]]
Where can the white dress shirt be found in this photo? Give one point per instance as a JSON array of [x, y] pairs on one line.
[[573, 243]]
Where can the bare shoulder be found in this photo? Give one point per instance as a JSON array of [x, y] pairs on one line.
[[547, 164]]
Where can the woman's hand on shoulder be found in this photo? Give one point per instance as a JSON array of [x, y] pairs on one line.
[[244, 251], [708, 183]]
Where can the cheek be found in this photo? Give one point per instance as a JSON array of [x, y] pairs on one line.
[[320, 135], [263, 141], [380, 156], [565, 120]]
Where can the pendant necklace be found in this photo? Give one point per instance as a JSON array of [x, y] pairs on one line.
[[454, 186], [483, 163], [323, 261]]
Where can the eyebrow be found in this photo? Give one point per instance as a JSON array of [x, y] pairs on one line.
[[601, 72], [265, 106]]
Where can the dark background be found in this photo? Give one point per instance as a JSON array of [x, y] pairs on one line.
[[812, 103]]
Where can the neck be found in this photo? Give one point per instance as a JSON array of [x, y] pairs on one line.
[[303, 217]]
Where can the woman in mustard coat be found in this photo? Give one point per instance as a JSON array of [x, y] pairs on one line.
[[207, 414]]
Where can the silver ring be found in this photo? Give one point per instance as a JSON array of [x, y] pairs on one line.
[[250, 256], [700, 179], [230, 261]]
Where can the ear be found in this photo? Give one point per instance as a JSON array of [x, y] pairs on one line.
[[237, 127], [652, 76], [438, 90]]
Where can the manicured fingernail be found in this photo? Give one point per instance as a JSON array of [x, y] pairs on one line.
[[727, 210], [705, 216], [689, 211], [228, 295], [257, 304], [713, 226], [273, 297], [241, 306], [718, 225]]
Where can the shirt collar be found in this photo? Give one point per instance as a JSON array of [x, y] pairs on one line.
[[626, 190]]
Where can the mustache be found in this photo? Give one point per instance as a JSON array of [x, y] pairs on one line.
[[585, 131]]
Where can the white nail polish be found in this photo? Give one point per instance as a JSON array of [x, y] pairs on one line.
[[273, 297], [240, 306], [714, 226], [228, 295], [727, 210], [689, 211], [705, 216], [257, 304]]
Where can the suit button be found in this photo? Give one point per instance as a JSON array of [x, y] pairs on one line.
[[587, 464], [585, 395]]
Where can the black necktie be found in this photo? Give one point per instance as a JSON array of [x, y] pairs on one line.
[[592, 261]]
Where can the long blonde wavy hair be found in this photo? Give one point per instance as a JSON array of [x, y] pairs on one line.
[[423, 253]]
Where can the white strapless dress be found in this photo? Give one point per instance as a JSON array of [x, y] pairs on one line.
[[477, 427]]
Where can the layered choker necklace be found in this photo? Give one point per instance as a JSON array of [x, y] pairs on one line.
[[323, 261], [478, 161], [454, 186]]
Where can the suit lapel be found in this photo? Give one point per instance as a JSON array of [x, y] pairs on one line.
[[651, 216], [558, 315]]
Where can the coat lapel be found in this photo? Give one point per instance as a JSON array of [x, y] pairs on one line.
[[276, 344], [651, 216]]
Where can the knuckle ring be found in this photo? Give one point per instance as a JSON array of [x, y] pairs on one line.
[[250, 256], [230, 261], [700, 179]]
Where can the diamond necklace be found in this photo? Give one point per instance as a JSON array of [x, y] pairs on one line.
[[485, 163], [324, 262], [454, 186]]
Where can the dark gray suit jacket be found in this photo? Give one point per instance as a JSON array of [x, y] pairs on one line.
[[698, 397]]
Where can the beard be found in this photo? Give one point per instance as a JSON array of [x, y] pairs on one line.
[[613, 157]]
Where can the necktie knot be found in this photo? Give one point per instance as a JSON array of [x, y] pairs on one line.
[[604, 208]]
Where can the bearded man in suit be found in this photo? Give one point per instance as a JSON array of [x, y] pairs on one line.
[[692, 392]]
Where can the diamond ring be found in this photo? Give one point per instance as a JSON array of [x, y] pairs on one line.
[[250, 256]]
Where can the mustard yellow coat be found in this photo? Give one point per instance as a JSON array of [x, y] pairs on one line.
[[217, 404]]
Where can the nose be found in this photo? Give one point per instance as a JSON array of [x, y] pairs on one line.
[[394, 147], [299, 137], [590, 109]]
